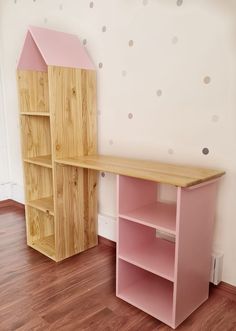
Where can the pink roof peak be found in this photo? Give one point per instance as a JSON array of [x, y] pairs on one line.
[[44, 47]]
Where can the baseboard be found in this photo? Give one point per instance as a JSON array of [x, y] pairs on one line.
[[227, 288], [11, 203], [12, 191], [5, 191], [107, 242], [107, 227]]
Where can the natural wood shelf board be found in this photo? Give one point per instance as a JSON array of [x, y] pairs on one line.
[[45, 246], [161, 216], [44, 204], [43, 160], [36, 113], [183, 176]]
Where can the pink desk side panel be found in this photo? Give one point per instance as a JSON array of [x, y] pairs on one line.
[[195, 220]]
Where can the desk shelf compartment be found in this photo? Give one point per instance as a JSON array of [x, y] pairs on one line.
[[138, 203], [146, 291], [139, 245]]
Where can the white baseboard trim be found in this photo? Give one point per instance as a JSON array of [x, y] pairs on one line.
[[5, 191], [12, 191], [107, 227]]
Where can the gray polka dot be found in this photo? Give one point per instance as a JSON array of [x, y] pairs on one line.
[[124, 73], [84, 42], [205, 151], [175, 40], [61, 6], [207, 80], [159, 93], [100, 65], [215, 118], [111, 142], [170, 151], [104, 28], [131, 43], [103, 174], [179, 3], [45, 20], [15, 1], [91, 4], [145, 2], [130, 116]]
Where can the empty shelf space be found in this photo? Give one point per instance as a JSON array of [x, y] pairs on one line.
[[161, 216], [157, 257], [43, 160], [44, 204], [146, 291], [46, 246], [35, 113]]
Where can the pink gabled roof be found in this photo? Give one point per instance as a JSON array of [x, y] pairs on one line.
[[44, 47]]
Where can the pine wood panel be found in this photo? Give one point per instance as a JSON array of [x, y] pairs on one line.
[[40, 225], [76, 205], [72, 95], [183, 176], [36, 138], [33, 91], [46, 246], [44, 204], [38, 182], [43, 160]]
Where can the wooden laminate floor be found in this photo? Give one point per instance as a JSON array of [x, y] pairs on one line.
[[79, 293]]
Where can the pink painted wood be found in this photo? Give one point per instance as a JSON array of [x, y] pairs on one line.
[[195, 218], [139, 245], [30, 58], [184, 267], [150, 293], [56, 48]]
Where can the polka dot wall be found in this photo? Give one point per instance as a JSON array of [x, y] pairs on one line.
[[166, 74]]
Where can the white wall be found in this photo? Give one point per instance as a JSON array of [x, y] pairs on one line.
[[175, 47]]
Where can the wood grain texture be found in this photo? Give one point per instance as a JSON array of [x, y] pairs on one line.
[[79, 293], [72, 94], [43, 204], [36, 139], [43, 160], [183, 176], [76, 206], [33, 91], [38, 182]]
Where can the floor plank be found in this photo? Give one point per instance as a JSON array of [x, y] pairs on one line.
[[79, 293]]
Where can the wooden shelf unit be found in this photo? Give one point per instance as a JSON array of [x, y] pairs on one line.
[[167, 279], [57, 99]]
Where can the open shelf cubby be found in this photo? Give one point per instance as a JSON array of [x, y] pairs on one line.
[[139, 245], [143, 289], [138, 203], [39, 187], [40, 230], [36, 139]]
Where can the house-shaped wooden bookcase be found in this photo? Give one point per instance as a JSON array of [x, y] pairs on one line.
[[57, 96]]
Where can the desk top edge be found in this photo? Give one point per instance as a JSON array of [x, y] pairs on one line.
[[166, 173]]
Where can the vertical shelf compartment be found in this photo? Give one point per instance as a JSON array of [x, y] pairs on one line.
[[36, 139], [33, 92], [40, 229], [39, 188], [138, 203], [146, 291], [139, 245]]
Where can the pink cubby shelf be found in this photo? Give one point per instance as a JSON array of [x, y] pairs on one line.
[[146, 291], [161, 216], [139, 245]]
